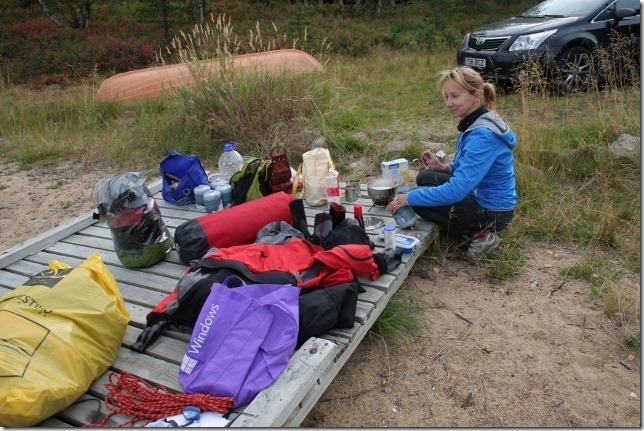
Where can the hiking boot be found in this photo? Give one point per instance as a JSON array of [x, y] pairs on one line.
[[479, 247]]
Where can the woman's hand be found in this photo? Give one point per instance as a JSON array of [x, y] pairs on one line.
[[399, 201], [431, 162]]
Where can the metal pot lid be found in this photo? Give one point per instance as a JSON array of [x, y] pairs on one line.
[[373, 222]]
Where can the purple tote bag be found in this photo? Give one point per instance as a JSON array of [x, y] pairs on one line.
[[242, 340]]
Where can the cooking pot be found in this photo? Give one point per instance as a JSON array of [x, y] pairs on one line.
[[382, 190]]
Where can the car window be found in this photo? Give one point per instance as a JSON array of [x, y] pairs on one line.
[[609, 12], [563, 8]]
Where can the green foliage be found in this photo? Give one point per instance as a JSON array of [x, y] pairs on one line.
[[344, 121], [594, 269], [56, 185], [400, 320], [633, 341], [506, 263], [40, 153], [409, 152], [256, 110]]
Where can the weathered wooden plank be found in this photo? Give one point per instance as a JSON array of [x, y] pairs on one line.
[[159, 283], [382, 283], [349, 333], [52, 422], [104, 233], [86, 410], [371, 295], [12, 280], [363, 310], [164, 267], [342, 343], [156, 370], [41, 241], [164, 347], [274, 405], [131, 293]]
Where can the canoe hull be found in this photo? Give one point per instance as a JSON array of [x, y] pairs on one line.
[[157, 82]]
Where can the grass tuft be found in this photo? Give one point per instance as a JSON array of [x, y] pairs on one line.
[[400, 320]]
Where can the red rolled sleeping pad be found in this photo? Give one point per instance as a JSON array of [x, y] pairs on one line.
[[237, 225]]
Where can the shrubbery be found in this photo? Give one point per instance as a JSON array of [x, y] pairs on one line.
[[122, 37]]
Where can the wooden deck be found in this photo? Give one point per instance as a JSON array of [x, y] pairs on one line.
[[285, 403]]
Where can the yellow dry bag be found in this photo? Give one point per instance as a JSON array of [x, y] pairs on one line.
[[58, 332]]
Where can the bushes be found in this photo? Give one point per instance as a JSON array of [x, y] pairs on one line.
[[28, 56]]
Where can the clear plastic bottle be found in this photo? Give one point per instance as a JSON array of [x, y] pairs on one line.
[[332, 181], [230, 162]]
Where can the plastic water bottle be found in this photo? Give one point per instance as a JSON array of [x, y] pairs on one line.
[[332, 182], [230, 162]]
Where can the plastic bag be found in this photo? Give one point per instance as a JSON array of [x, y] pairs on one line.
[[180, 174], [313, 170], [242, 340], [139, 234], [59, 331]]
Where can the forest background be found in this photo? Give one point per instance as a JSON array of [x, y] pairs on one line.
[[47, 41]]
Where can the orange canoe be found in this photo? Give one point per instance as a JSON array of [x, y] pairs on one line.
[[155, 82]]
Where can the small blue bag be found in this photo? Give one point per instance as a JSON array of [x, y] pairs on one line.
[[180, 174]]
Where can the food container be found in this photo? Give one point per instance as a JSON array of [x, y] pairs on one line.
[[397, 170], [382, 190], [406, 244], [405, 217], [389, 235]]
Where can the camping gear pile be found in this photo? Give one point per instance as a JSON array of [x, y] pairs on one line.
[[269, 282]]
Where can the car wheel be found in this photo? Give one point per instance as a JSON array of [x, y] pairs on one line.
[[574, 70]]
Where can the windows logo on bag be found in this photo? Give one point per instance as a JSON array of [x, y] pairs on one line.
[[188, 364]]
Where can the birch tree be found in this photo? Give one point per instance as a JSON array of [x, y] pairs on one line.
[[68, 13]]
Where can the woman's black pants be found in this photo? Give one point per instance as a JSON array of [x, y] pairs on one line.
[[463, 218]]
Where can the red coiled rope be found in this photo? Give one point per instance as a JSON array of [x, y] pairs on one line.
[[129, 395]]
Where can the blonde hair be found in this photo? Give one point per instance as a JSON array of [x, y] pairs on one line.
[[471, 81]]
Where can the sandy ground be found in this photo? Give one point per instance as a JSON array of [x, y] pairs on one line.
[[534, 351]]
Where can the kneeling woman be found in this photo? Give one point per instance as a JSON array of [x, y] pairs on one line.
[[475, 195]]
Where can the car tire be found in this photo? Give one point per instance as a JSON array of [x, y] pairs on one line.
[[574, 70]]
